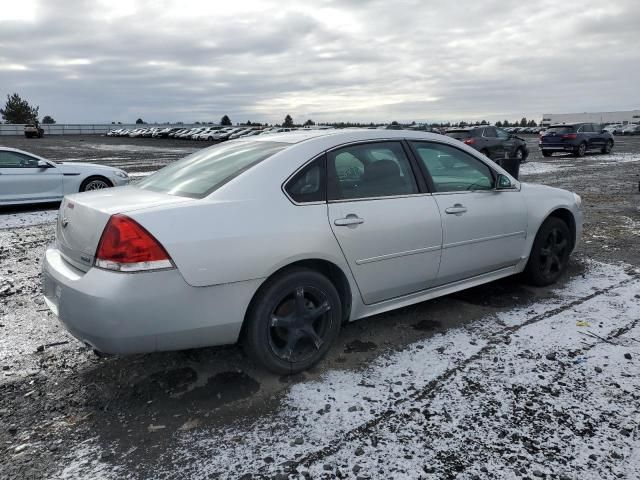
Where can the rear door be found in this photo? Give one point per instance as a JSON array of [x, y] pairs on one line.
[[492, 143], [388, 228], [22, 180], [483, 229]]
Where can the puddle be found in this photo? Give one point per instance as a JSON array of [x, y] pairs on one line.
[[358, 346]]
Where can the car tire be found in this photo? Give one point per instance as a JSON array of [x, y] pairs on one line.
[[293, 321], [519, 154], [549, 255], [580, 150], [607, 147], [547, 154], [95, 183]]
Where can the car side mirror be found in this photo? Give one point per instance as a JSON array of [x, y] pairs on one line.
[[43, 164], [503, 182]]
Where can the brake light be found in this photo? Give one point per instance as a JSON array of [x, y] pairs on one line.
[[570, 136], [470, 141], [125, 246]]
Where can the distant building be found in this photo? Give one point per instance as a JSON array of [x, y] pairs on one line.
[[630, 116]]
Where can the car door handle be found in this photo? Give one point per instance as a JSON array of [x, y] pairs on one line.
[[457, 209], [348, 220]]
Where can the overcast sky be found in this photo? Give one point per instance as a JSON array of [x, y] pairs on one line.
[[103, 61]]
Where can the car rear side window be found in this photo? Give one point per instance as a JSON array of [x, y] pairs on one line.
[[206, 170], [559, 130], [460, 135], [453, 170], [309, 184], [369, 170]]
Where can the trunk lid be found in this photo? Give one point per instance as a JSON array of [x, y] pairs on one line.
[[82, 218]]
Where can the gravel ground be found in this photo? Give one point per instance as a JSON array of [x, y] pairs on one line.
[[501, 381]]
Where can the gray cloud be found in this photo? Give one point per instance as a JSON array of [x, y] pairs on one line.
[[348, 60]]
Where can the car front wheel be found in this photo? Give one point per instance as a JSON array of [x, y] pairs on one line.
[[95, 183], [293, 321], [550, 253]]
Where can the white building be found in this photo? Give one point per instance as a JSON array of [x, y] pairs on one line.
[[630, 116]]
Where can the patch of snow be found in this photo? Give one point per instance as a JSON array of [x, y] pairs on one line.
[[515, 390], [537, 168], [465, 380], [27, 219]]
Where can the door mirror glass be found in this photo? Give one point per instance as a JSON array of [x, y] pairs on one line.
[[503, 182]]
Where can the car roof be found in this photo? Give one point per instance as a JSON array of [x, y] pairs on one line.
[[17, 150], [340, 136]]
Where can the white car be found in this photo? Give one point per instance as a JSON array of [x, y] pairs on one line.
[[277, 240], [28, 178]]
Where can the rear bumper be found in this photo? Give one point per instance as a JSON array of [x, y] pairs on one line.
[[142, 312], [557, 147]]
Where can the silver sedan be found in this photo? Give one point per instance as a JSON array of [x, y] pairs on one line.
[[277, 240], [28, 178]]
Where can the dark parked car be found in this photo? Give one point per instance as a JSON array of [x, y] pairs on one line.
[[576, 138], [494, 142]]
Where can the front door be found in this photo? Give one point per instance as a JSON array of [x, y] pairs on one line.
[[22, 180], [390, 232], [483, 229]]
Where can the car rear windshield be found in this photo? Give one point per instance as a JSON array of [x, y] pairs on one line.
[[559, 130], [460, 134], [203, 172]]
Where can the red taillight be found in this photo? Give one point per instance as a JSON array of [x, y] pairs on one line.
[[125, 246], [570, 136], [470, 141]]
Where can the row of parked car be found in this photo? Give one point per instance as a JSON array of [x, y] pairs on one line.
[[620, 129], [212, 134]]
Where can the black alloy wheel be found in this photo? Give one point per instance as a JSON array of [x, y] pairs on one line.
[[607, 147], [293, 321], [550, 253]]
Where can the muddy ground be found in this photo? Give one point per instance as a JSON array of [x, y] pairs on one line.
[[65, 413]]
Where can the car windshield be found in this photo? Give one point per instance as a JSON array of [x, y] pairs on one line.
[[205, 171], [559, 130], [460, 134]]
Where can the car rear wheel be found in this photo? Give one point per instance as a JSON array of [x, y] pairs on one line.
[[520, 154], [293, 321], [95, 183], [550, 253], [581, 150], [607, 147]]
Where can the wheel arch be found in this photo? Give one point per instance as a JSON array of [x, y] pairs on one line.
[[93, 177], [333, 272], [568, 218]]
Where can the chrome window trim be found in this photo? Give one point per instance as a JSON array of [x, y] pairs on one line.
[[366, 199]]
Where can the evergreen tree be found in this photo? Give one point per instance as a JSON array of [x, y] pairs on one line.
[[17, 110]]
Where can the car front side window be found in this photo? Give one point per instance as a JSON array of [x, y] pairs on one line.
[[453, 170], [17, 160], [368, 171]]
